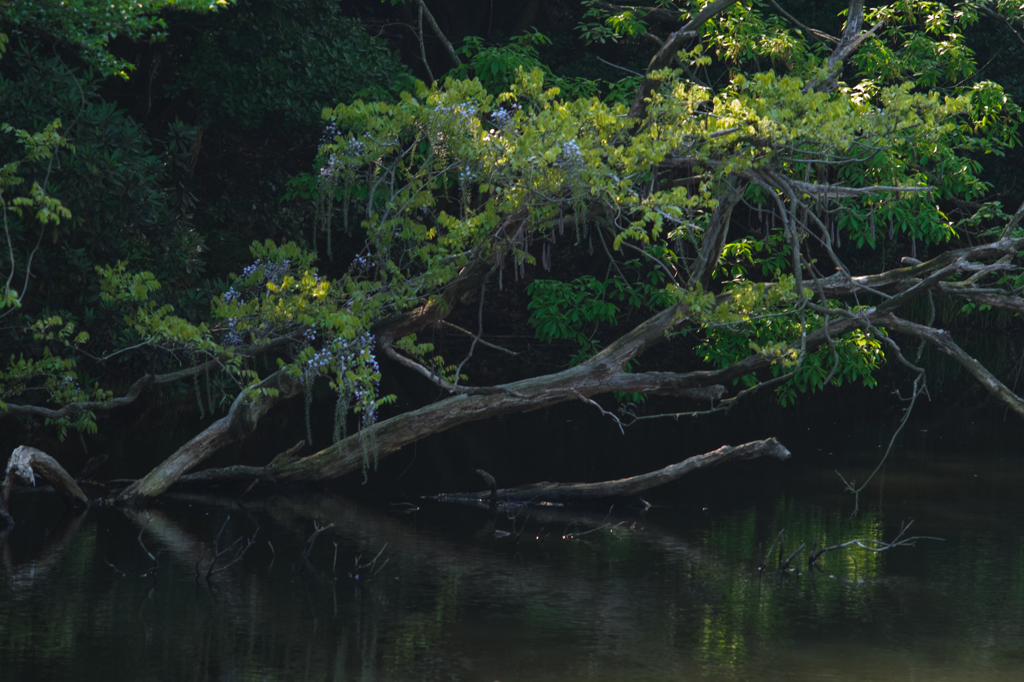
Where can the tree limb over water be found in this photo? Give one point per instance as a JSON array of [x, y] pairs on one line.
[[622, 491], [720, 214]]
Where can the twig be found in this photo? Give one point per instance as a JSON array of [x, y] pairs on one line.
[[457, 328], [918, 389], [480, 332], [358, 567], [238, 554], [317, 529], [116, 569], [603, 411], [620, 68], [785, 564], [820, 35], [423, 50]]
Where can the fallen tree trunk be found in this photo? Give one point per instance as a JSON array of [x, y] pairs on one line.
[[25, 464], [621, 491], [240, 421]]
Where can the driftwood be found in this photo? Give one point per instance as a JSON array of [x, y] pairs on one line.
[[622, 491], [25, 464]]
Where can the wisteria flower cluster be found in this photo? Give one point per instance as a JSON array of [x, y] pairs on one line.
[[360, 262], [351, 155], [231, 336], [571, 158], [502, 117], [241, 287], [452, 122], [341, 356], [331, 131]]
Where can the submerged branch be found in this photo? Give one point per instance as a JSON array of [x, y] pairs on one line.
[[623, 490]]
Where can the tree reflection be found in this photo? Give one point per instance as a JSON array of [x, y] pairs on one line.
[[464, 595]]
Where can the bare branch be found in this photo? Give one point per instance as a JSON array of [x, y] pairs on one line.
[[843, 192], [669, 49], [872, 545], [820, 35], [459, 329], [136, 389], [439, 33]]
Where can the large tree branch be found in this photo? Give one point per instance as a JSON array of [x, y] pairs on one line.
[[944, 342], [849, 42], [439, 33], [240, 421], [24, 465], [840, 284], [718, 231], [669, 49]]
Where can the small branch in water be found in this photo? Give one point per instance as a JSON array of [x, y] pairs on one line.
[[156, 564], [489, 480], [238, 555], [304, 559], [218, 552], [764, 562], [117, 570], [872, 545], [358, 567], [785, 564]]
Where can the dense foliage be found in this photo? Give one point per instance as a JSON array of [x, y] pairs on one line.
[[737, 204]]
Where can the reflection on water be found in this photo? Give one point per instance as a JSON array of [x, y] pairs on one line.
[[460, 594]]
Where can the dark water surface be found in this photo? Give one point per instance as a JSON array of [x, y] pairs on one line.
[[456, 594]]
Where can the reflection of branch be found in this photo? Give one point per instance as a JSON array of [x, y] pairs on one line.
[[25, 575]]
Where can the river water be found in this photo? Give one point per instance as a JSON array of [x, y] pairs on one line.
[[400, 589]]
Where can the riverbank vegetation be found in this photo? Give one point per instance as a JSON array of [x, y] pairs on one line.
[[236, 204]]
